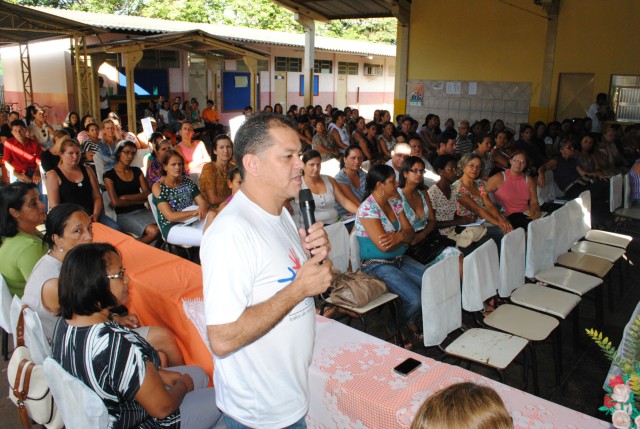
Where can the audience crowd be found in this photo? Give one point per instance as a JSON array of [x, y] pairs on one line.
[[412, 192]]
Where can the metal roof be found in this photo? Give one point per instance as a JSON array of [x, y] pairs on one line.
[[325, 10], [19, 24], [193, 41], [136, 24]]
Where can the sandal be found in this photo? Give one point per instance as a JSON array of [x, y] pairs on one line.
[[393, 338]]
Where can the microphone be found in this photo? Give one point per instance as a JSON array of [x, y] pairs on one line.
[[307, 208]]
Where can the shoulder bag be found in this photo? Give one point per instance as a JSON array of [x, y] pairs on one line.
[[355, 289], [28, 388]]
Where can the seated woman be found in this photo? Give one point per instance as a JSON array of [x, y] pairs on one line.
[[463, 405], [428, 246], [472, 197], [573, 180], [338, 130], [178, 199], [72, 124], [609, 157], [194, 152], [325, 190], [21, 211], [154, 164], [128, 191], [386, 140], [324, 143], [516, 192], [67, 226], [351, 178], [50, 158], [72, 182], [123, 369], [384, 232], [484, 151], [587, 160], [213, 180], [499, 152]]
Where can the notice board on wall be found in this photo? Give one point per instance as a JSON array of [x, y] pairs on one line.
[[236, 91]]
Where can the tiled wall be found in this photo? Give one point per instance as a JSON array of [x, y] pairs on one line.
[[508, 101]]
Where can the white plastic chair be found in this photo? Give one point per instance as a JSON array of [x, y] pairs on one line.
[[481, 278], [154, 212], [442, 314], [5, 316], [550, 191], [34, 337], [540, 264], [79, 406], [138, 161], [339, 240], [596, 235]]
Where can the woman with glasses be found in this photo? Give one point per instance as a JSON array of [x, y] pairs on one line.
[[128, 191], [516, 192], [427, 246], [325, 190], [119, 365], [473, 199], [213, 180]]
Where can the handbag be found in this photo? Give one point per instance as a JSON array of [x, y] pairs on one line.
[[355, 289], [468, 235], [426, 250], [28, 388]]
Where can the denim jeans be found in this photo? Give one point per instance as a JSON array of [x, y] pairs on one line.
[[405, 280], [233, 424]]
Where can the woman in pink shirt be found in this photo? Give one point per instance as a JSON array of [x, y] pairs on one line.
[[516, 192]]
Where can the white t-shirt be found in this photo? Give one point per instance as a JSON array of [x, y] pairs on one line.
[[248, 255], [104, 93], [595, 122]]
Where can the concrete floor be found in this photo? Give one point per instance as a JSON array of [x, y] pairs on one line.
[[583, 372]]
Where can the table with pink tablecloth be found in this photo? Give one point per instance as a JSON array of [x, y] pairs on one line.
[[353, 385]]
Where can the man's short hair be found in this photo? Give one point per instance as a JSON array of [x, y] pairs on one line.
[[253, 137], [463, 122], [210, 102], [18, 123], [444, 138]]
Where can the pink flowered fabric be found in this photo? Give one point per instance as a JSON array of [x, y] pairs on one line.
[[353, 386], [369, 209], [459, 190]]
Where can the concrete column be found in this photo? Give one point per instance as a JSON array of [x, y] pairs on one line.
[[252, 65], [213, 65], [130, 61], [402, 61], [543, 111], [309, 26]]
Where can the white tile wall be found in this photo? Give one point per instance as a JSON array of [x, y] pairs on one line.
[[508, 101]]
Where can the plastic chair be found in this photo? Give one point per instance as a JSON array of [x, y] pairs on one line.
[[540, 264], [442, 314], [5, 317], [480, 281], [339, 240], [359, 312], [79, 406], [172, 247], [34, 337]]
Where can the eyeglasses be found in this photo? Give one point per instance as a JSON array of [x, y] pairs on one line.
[[120, 275], [418, 170], [518, 161], [129, 152], [474, 166]]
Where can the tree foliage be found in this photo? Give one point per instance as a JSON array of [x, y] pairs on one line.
[[263, 14]]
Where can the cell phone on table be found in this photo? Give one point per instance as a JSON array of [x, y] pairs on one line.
[[407, 367]]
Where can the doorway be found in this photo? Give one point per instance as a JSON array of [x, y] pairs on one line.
[[575, 95]]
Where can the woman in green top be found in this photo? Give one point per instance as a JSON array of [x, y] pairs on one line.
[[21, 211], [183, 213]]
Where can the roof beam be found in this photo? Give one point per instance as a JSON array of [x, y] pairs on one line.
[[296, 7]]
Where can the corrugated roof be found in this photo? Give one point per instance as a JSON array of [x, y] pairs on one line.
[[153, 25]]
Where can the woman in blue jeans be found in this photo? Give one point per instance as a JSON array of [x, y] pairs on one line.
[[383, 233]]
